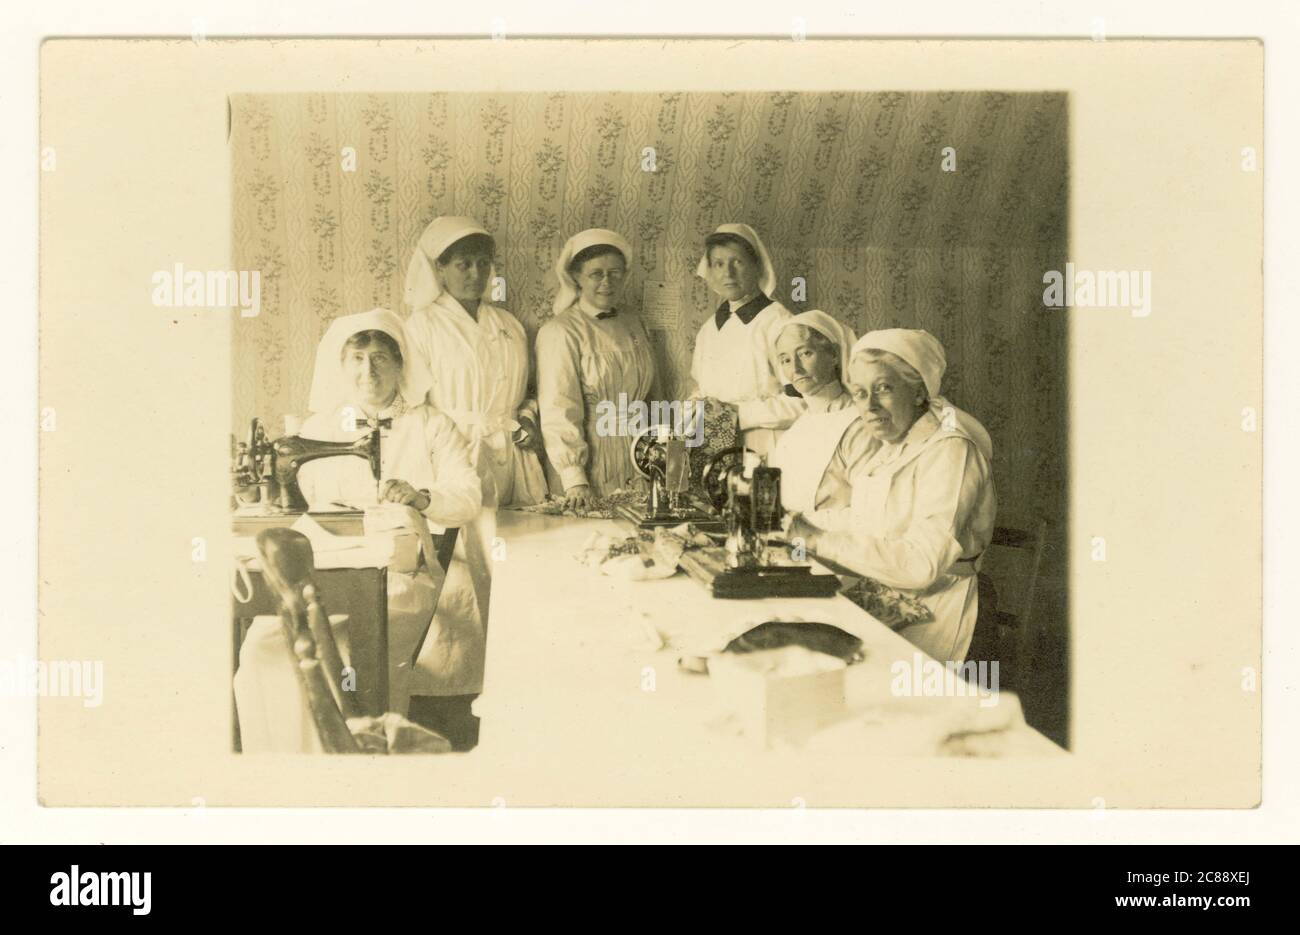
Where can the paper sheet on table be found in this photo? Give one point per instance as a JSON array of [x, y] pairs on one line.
[[321, 539], [330, 550]]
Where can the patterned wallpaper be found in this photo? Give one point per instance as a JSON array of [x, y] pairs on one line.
[[332, 191]]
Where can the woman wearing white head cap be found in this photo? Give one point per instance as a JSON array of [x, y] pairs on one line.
[[923, 503], [594, 355], [477, 356], [819, 453], [733, 350], [364, 376], [811, 350]]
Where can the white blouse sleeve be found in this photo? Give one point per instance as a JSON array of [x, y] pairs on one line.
[[697, 366], [457, 493], [528, 405], [770, 412], [949, 484], [559, 399], [771, 409]]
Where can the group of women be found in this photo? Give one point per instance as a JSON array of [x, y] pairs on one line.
[[882, 476]]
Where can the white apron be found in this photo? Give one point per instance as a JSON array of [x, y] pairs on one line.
[[613, 362], [953, 598], [480, 373], [451, 657], [804, 451]]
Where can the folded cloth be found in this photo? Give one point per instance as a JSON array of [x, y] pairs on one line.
[[408, 532], [604, 507], [623, 557], [321, 539]]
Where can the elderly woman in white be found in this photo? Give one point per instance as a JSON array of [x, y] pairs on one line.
[[364, 377], [733, 360], [818, 454], [923, 503], [593, 353]]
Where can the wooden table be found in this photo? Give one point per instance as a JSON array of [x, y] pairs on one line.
[[578, 701]]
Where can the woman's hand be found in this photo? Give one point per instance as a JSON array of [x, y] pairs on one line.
[[527, 437], [798, 531], [579, 497], [399, 491]]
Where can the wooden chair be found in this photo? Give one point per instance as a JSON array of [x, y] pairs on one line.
[[1005, 630], [289, 565]]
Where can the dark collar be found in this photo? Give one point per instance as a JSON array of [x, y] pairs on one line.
[[746, 313]]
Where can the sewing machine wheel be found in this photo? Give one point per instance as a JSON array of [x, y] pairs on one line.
[[647, 453], [714, 478]]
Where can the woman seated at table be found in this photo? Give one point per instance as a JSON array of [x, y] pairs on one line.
[[818, 454], [593, 355], [733, 361], [365, 376], [923, 503]]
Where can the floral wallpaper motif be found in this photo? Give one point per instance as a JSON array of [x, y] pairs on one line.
[[331, 192]]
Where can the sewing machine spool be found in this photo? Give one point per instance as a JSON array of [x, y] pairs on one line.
[[665, 462]]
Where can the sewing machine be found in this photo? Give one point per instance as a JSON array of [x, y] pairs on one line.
[[747, 494], [269, 469], [664, 459]]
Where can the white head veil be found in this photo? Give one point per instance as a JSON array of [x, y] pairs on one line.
[[568, 293], [839, 334], [925, 354], [767, 280], [422, 285], [329, 387]]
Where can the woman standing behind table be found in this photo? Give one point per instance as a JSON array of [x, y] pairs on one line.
[[923, 503], [477, 356], [733, 351], [819, 453], [592, 352]]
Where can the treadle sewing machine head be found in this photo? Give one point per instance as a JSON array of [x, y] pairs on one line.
[[664, 458], [265, 472], [747, 494]]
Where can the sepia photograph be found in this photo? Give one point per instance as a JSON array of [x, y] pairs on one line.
[[544, 427], [745, 401]]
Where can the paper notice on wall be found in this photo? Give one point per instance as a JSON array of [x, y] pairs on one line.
[[660, 306]]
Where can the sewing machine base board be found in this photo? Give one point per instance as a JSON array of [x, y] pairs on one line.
[[709, 567], [707, 522]]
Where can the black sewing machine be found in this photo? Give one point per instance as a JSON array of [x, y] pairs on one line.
[[664, 459], [747, 494], [268, 470]]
